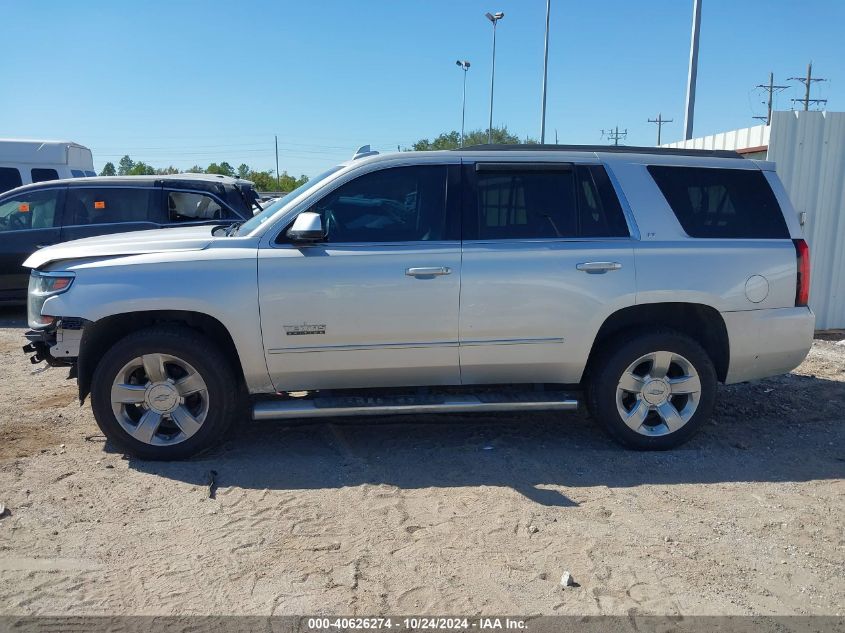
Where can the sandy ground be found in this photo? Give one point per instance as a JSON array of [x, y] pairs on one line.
[[460, 514]]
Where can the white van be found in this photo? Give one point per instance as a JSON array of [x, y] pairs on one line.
[[24, 161]]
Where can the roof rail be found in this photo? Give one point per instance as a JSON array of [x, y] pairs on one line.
[[364, 151], [609, 149]]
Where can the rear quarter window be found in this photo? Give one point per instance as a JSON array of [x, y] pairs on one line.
[[721, 203]]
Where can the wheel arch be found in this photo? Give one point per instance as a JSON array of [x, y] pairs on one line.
[[100, 335], [700, 322]]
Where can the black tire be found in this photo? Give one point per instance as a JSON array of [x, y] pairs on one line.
[[183, 343], [607, 368]]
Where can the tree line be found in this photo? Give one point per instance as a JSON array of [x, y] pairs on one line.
[[264, 180], [452, 140]]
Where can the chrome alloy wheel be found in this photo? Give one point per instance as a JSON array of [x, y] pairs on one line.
[[658, 393], [159, 399]]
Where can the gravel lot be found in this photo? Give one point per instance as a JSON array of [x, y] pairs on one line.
[[460, 514]]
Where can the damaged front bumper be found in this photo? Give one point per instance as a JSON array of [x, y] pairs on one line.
[[58, 346]]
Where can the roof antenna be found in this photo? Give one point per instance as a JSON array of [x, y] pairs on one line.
[[363, 152]]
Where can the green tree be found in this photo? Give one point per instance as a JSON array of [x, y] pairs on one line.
[[141, 169], [452, 140], [125, 166], [224, 169], [289, 183], [263, 180]]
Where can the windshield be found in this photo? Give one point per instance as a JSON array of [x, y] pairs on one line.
[[250, 225]]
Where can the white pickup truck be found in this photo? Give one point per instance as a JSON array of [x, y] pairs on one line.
[[485, 279]]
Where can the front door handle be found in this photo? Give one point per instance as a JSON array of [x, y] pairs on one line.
[[45, 245], [598, 268], [428, 271]]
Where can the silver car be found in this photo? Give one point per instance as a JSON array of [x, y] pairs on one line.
[[492, 278]]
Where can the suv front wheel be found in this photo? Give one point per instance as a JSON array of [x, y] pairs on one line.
[[652, 390], [164, 393]]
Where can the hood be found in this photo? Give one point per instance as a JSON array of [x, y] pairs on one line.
[[192, 238]]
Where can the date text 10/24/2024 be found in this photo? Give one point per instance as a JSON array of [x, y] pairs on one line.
[[417, 623]]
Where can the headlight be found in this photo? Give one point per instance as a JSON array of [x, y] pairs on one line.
[[43, 285]]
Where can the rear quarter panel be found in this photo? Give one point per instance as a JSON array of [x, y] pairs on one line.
[[671, 266]]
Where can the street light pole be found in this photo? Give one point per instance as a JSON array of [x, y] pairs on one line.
[[545, 74], [693, 69], [494, 18], [463, 65]]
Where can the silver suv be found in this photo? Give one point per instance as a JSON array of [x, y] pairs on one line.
[[486, 279]]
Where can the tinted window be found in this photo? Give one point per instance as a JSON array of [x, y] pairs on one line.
[[106, 205], [9, 178], [77, 173], [33, 210], [40, 174], [523, 204], [599, 211], [721, 203], [90, 173], [401, 204]]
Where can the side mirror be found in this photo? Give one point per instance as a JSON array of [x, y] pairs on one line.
[[307, 227]]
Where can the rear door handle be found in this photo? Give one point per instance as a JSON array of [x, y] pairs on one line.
[[428, 271], [597, 268]]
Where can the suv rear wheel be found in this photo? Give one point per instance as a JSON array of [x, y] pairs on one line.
[[652, 390], [164, 393]]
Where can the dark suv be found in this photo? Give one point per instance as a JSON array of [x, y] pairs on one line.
[[40, 214]]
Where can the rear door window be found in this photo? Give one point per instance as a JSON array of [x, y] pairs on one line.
[[721, 203], [525, 202], [107, 205], [42, 174], [10, 178], [192, 206], [541, 201], [599, 211], [31, 210]]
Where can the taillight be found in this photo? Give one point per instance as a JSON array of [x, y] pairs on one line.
[[802, 287]]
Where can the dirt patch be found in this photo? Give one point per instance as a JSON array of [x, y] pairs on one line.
[[444, 514]]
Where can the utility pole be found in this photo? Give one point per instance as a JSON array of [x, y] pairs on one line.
[[660, 121], [693, 69], [808, 82], [278, 182], [615, 135], [771, 88], [545, 74]]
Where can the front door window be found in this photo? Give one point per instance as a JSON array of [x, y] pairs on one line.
[[400, 204]]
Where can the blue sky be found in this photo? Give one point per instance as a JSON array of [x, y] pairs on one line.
[[194, 82]]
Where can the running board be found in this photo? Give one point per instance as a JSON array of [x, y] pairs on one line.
[[399, 405]]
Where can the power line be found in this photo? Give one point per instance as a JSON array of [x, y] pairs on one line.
[[660, 123], [615, 134], [808, 82], [771, 88]]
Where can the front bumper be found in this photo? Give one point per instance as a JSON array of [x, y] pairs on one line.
[[767, 342], [58, 346]]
